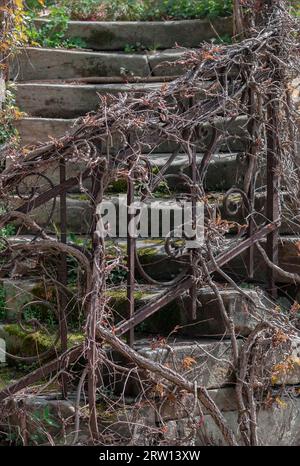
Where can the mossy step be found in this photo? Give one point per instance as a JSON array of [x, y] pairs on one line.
[[26, 342], [9, 375], [117, 35], [207, 322]]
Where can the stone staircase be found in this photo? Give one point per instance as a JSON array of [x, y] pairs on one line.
[[53, 88]]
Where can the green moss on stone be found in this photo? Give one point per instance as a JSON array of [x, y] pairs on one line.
[[22, 343], [118, 186], [28, 344], [9, 375]]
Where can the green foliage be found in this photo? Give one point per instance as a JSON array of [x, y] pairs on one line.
[[42, 314], [117, 276], [8, 115], [136, 10], [52, 34], [223, 39], [59, 12], [295, 4], [45, 417], [44, 420], [8, 230], [93, 10]]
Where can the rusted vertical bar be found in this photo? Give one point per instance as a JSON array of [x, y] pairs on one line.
[[130, 258], [249, 182], [92, 362], [193, 290], [273, 194], [93, 304], [273, 158], [63, 273]]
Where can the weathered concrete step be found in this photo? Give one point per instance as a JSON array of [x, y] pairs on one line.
[[35, 64], [209, 362], [46, 64], [151, 35], [35, 130], [224, 171], [277, 423], [134, 424], [69, 100], [208, 320], [79, 211], [288, 260]]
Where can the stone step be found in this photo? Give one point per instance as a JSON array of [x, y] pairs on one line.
[[224, 171], [176, 315], [79, 210], [34, 130], [117, 35], [49, 100], [288, 260], [136, 424], [35, 64], [277, 425], [209, 362], [208, 321], [153, 252], [46, 64]]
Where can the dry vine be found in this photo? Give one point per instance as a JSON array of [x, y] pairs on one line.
[[247, 79]]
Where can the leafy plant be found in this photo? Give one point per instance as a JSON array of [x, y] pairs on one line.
[[40, 313], [135, 10], [93, 10], [59, 12], [8, 114], [117, 276], [53, 33]]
